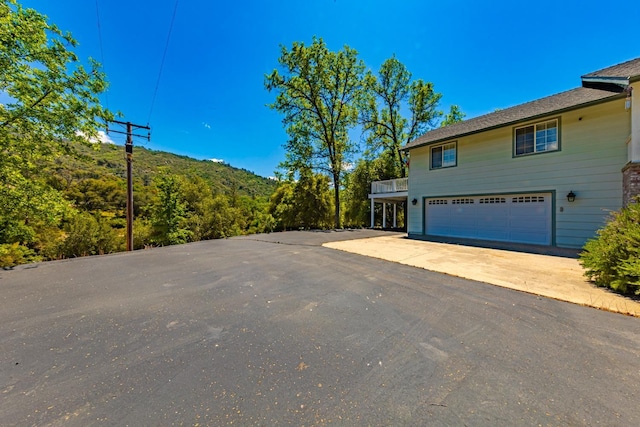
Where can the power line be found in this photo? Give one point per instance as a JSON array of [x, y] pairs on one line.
[[104, 69], [164, 54]]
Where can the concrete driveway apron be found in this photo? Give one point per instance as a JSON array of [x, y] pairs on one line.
[[549, 276]]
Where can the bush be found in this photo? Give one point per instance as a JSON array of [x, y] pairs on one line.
[[612, 259], [142, 233], [304, 204], [14, 254], [88, 235]]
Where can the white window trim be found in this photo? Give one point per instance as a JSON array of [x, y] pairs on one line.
[[535, 145], [455, 148]]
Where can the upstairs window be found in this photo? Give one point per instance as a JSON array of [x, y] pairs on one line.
[[443, 156], [536, 138]]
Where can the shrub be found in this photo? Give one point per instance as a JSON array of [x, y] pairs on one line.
[[612, 259], [88, 235], [142, 233], [14, 254]]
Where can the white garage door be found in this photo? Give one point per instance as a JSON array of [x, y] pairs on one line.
[[521, 218]]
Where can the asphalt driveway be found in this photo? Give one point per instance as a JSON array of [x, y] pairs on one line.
[[279, 330]]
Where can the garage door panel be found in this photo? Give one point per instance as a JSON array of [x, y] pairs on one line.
[[522, 218], [528, 211], [495, 234], [523, 237], [439, 221]]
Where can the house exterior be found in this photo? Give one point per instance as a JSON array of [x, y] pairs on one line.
[[512, 175]]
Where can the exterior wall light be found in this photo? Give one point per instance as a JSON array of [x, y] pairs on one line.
[[571, 197], [627, 101], [414, 202]]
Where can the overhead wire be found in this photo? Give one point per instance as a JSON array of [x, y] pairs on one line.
[[164, 55]]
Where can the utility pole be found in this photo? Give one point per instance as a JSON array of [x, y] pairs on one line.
[[128, 149]]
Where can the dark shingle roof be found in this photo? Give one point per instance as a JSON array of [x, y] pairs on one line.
[[626, 70], [597, 86], [530, 110]]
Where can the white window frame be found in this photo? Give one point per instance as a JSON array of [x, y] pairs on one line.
[[536, 142], [445, 162]]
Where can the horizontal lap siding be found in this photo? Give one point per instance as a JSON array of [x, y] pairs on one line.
[[593, 152]]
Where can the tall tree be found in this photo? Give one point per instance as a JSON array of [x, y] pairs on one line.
[[388, 94], [48, 100], [302, 204], [318, 92], [169, 215]]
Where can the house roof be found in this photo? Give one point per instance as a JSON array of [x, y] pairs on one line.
[[540, 107], [598, 86], [629, 70]]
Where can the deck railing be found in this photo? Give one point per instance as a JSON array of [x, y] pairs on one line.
[[390, 186]]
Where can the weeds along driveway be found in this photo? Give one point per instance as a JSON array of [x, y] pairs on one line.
[[247, 331]]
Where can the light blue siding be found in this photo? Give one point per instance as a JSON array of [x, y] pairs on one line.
[[589, 163]]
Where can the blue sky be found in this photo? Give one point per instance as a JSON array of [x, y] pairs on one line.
[[211, 99]]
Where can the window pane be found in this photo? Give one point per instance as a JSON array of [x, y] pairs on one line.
[[546, 136], [537, 138], [449, 155], [524, 140], [436, 157], [552, 133]]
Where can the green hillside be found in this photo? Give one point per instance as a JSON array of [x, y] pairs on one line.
[[81, 205], [222, 178]]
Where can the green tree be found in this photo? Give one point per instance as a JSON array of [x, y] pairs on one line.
[[302, 204], [455, 115], [387, 95], [282, 206], [313, 200], [358, 186], [50, 103], [318, 92], [216, 219], [105, 193], [169, 214], [88, 235], [254, 211]]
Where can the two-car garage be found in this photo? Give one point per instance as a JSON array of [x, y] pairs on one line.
[[518, 218]]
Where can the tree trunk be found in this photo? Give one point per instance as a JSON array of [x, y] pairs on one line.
[[402, 165], [336, 199]]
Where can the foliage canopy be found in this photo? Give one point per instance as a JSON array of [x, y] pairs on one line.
[[49, 102], [318, 92], [386, 94], [303, 204]]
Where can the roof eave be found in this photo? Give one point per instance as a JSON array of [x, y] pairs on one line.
[[514, 122], [621, 81]]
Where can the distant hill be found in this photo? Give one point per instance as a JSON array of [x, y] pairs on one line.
[[223, 178]]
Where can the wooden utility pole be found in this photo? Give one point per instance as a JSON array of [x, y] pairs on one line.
[[128, 149]]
